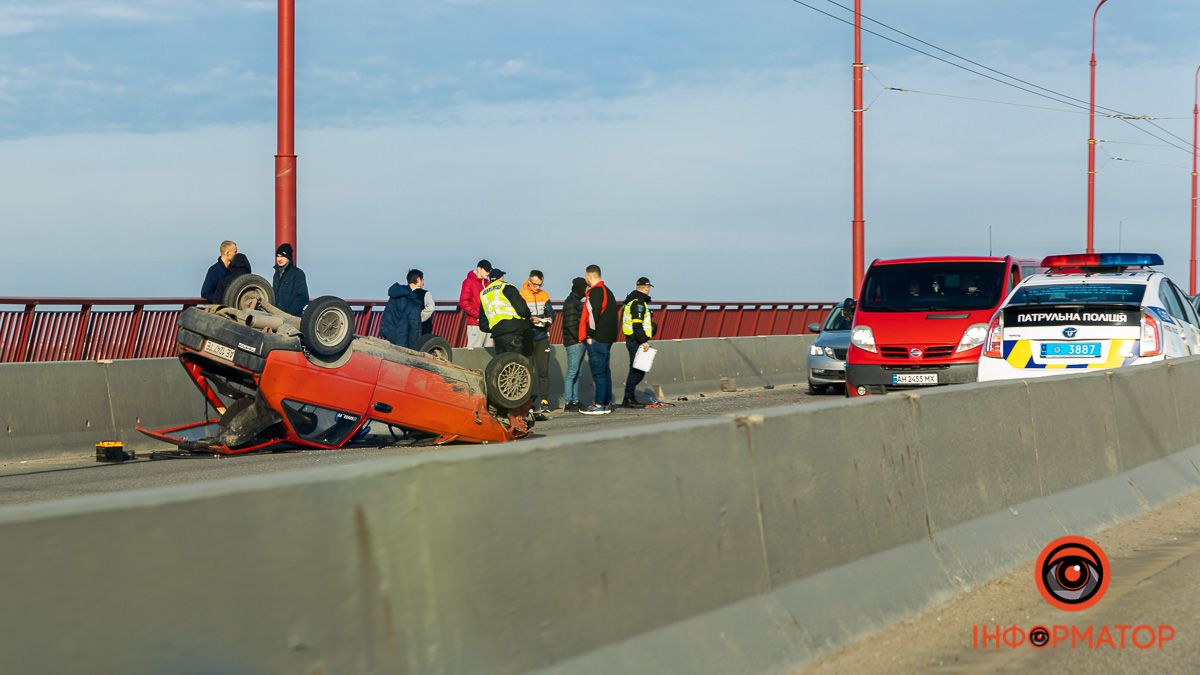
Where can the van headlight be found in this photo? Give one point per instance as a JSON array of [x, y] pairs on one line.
[[975, 335], [863, 338]]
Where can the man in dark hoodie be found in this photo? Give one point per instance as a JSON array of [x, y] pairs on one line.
[[401, 323], [504, 314], [237, 267], [290, 285], [598, 327], [638, 327], [572, 311]]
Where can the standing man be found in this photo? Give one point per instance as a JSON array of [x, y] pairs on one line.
[[598, 328], [504, 314], [572, 311], [541, 316], [401, 322], [425, 298], [218, 270], [468, 302], [638, 328], [290, 285]]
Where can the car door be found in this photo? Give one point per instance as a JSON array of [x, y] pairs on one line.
[[1190, 316], [1176, 337]]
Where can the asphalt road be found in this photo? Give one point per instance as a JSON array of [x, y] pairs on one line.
[[1155, 562], [36, 480]]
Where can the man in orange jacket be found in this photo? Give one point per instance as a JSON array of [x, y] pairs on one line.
[[542, 316]]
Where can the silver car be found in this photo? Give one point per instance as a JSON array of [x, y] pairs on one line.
[[827, 356]]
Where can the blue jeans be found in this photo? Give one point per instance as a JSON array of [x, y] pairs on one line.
[[598, 353], [571, 380]]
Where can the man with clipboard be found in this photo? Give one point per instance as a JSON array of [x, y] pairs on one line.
[[638, 326]]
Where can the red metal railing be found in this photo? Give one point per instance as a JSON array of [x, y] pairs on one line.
[[73, 329]]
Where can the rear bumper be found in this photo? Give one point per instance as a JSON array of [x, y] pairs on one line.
[[877, 378]]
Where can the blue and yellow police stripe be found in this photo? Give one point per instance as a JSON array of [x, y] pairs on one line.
[[1019, 354]]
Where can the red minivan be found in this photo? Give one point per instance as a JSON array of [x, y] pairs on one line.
[[921, 322]]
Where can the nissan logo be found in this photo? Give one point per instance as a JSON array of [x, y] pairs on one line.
[[915, 352]]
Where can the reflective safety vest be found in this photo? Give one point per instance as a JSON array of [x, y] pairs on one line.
[[628, 322], [495, 306]]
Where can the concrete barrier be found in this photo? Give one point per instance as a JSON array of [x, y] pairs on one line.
[[741, 543], [65, 408]]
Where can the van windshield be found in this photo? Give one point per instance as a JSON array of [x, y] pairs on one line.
[[933, 287]]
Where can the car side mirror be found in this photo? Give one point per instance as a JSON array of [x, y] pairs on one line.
[[848, 308], [814, 328]]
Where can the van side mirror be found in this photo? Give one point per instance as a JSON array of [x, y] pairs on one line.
[[848, 307]]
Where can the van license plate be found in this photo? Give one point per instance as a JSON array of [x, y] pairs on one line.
[[914, 378], [218, 350]]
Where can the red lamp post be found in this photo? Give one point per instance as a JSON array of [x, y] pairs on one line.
[[1091, 193], [285, 158], [1195, 130], [858, 226]]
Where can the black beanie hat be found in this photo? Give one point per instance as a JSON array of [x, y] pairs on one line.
[[285, 250]]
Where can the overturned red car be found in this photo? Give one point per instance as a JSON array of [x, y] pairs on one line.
[[280, 380]]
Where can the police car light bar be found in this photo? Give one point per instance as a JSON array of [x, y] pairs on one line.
[[1103, 260]]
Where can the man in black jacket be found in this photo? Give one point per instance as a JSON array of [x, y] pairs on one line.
[[638, 327], [237, 267], [598, 327], [572, 312], [504, 314], [401, 322], [291, 288]]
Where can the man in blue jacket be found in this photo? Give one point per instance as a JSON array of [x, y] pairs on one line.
[[291, 288], [401, 323], [218, 271]]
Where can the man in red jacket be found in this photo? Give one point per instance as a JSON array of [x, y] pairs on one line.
[[468, 302]]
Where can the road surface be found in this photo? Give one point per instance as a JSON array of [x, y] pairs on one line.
[[36, 480]]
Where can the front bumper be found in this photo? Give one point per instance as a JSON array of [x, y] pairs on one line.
[[826, 370], [877, 378]]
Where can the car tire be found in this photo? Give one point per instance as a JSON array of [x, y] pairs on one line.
[[436, 346], [245, 288], [509, 380], [327, 326]]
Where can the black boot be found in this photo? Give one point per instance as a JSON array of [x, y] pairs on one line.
[[632, 403]]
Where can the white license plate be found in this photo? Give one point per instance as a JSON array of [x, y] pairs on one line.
[[914, 378], [218, 350]]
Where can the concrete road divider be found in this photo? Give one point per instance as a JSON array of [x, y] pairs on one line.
[[740, 543], [65, 408]]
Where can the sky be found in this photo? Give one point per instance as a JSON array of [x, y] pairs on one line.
[[705, 144]]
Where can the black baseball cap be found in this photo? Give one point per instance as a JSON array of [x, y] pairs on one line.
[[484, 265], [643, 281], [495, 273]]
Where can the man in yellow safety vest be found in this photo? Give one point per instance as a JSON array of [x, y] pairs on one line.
[[504, 314], [637, 324]]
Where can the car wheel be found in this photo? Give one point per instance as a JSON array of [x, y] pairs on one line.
[[245, 290], [327, 326], [436, 346], [509, 379]]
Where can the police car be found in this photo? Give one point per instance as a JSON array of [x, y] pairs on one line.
[[1089, 312]]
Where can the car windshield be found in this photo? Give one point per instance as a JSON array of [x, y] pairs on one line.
[[1078, 294], [835, 320], [933, 287]]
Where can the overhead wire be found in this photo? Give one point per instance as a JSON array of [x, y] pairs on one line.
[[1046, 93]]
